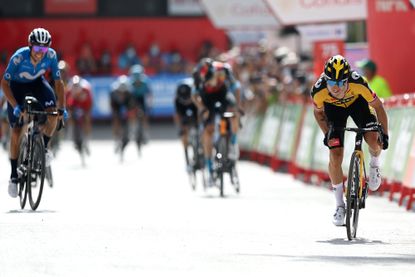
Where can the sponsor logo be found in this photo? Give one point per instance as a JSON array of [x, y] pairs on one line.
[[334, 142], [343, 101], [50, 103], [27, 75], [18, 59]]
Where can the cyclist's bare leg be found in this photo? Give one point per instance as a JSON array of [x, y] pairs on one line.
[[52, 121], [336, 174], [185, 136], [234, 121], [371, 139], [14, 142], [335, 165], [207, 140], [88, 124], [185, 141]]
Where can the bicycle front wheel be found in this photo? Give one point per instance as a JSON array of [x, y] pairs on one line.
[[352, 196], [36, 172], [221, 156], [22, 159]]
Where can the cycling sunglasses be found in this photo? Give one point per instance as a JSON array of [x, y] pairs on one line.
[[338, 83], [38, 48]]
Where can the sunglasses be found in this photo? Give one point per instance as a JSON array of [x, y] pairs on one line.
[[38, 48], [339, 83]]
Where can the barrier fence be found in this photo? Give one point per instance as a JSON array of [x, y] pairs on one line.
[[286, 137]]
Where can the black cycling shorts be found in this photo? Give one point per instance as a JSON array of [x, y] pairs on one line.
[[337, 117], [209, 100], [39, 88]]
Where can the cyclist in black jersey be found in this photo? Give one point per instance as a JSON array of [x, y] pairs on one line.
[[215, 83], [186, 112]]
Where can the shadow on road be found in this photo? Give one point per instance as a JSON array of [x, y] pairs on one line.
[[26, 211], [344, 241], [386, 259]]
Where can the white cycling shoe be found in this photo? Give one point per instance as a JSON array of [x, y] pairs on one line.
[[374, 178], [233, 152], [13, 187], [48, 157], [339, 215]]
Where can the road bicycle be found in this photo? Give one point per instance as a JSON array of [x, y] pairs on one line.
[[357, 182], [194, 151], [222, 163], [31, 159]]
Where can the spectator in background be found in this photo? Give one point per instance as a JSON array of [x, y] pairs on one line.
[[153, 59], [173, 62], [86, 63], [128, 58], [104, 63], [377, 83]]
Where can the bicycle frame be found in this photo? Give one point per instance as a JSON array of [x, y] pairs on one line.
[[356, 193], [25, 169]]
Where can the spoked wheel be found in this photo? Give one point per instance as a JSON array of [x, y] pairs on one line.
[[352, 197], [235, 179], [22, 167], [49, 176], [36, 172], [221, 157]]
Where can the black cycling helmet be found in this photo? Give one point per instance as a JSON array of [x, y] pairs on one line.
[[184, 92], [206, 68], [40, 36], [337, 68]]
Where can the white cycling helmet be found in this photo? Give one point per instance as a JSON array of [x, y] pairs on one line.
[[40, 36]]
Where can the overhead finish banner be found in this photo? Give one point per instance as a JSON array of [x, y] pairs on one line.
[[240, 14], [294, 12]]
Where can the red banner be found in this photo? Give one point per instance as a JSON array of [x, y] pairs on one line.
[[70, 6], [323, 50], [391, 36]]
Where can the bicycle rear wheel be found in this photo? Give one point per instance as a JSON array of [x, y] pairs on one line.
[[352, 196], [22, 171], [36, 172]]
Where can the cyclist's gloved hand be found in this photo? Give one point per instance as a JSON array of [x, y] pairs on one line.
[[385, 141], [64, 113], [326, 140], [17, 111]]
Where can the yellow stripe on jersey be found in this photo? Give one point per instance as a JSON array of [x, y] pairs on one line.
[[352, 93]]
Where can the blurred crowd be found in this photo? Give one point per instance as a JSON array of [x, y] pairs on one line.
[[270, 74]]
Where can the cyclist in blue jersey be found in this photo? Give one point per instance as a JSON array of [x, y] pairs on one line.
[[141, 93], [24, 76]]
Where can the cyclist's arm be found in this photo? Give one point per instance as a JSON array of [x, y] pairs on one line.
[[5, 86], [60, 92], [381, 114], [321, 119]]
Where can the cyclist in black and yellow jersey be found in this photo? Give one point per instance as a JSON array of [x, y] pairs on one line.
[[338, 94]]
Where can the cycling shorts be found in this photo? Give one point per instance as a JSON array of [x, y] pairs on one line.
[[39, 88], [337, 116], [209, 100]]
